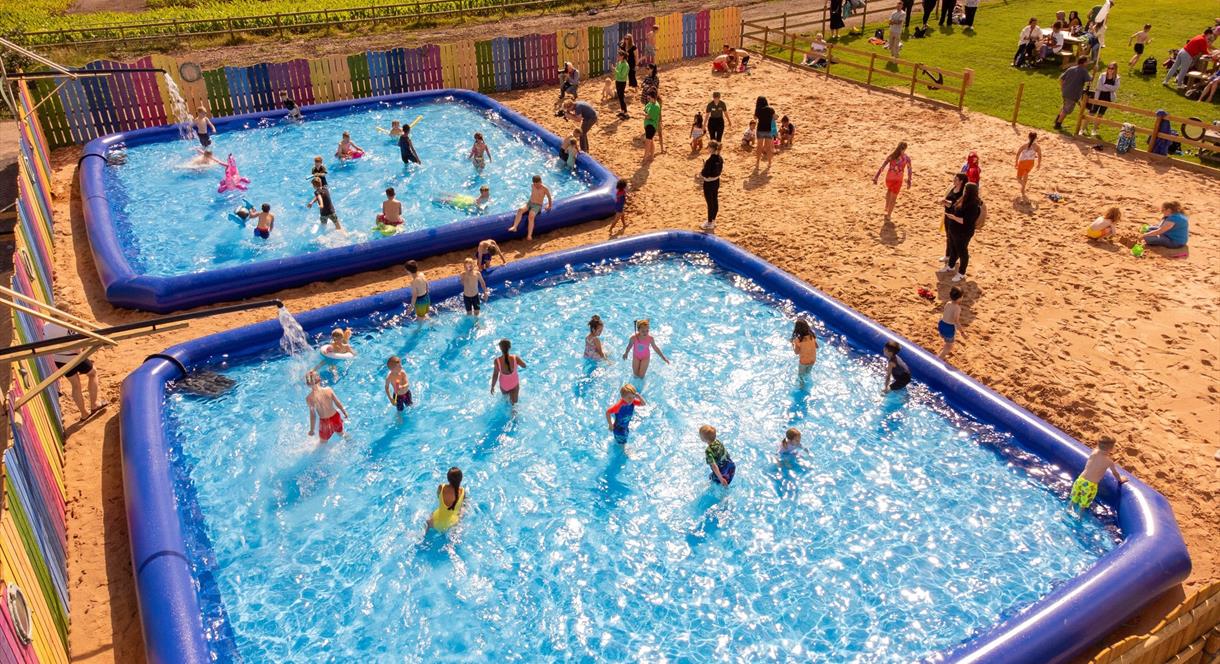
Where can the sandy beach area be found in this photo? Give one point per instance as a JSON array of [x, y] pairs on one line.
[[1082, 333]]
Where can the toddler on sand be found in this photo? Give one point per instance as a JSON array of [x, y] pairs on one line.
[[1105, 225], [949, 321]]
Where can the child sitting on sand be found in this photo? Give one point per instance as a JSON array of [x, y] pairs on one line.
[[1084, 489], [474, 288], [640, 347], [484, 252], [791, 442], [1105, 225], [397, 385], [325, 409], [717, 457], [749, 136], [348, 149], [618, 416], [696, 134], [949, 321], [538, 195], [787, 131]]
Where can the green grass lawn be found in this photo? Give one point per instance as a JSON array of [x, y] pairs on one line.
[[989, 50]]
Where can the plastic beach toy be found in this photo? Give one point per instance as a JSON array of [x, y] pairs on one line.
[[233, 180], [1138, 250]]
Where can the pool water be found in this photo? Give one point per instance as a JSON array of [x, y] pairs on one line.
[[171, 220], [904, 528]]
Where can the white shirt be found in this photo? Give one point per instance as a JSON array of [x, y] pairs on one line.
[[1029, 33], [1112, 88], [51, 331]]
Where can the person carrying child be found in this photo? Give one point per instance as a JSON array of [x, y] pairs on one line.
[[1084, 489], [1105, 225], [640, 347], [949, 323], [397, 385], [474, 288], [897, 373], [325, 409], [539, 194], [723, 468], [618, 416]]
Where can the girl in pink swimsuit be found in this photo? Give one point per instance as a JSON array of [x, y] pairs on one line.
[[640, 348], [506, 372], [894, 165]]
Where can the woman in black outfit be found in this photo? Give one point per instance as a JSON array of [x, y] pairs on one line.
[[717, 117], [963, 216], [627, 45], [928, 7], [955, 192], [710, 175], [836, 18]]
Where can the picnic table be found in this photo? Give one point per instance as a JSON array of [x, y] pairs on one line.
[[1073, 47]]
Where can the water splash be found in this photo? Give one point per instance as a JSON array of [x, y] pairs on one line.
[[294, 342], [186, 122]]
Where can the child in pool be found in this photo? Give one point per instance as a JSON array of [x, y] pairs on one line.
[[421, 299], [347, 148], [723, 468], [394, 131], [1084, 489], [484, 252], [465, 202], [397, 385], [507, 372], [479, 154], [805, 346], [340, 343], [593, 342], [450, 497], [1105, 225], [696, 134], [569, 151], [620, 202], [325, 409], [618, 416], [244, 211], [897, 374], [640, 347], [787, 131], [319, 170], [474, 288], [391, 210], [538, 195], [950, 319], [749, 136], [791, 442], [266, 223], [204, 159]]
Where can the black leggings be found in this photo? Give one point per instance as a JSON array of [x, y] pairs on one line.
[[970, 15], [620, 91], [711, 194], [946, 13], [959, 248], [715, 128], [928, 7]]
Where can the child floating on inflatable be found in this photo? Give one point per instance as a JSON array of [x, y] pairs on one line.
[[391, 214], [394, 131], [233, 180], [1084, 489], [1105, 225], [338, 350], [465, 202], [242, 212], [348, 149]]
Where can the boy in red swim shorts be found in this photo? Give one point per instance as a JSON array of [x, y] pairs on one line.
[[325, 409]]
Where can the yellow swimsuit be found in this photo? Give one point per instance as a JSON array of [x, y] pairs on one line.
[[444, 518]]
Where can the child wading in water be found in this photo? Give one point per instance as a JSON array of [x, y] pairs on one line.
[[593, 342], [618, 416], [479, 154], [451, 497], [717, 457], [640, 347], [506, 372], [325, 409], [805, 345], [538, 194], [791, 442], [266, 223], [319, 170], [949, 323], [421, 298], [397, 385], [897, 374], [1084, 489], [473, 287]]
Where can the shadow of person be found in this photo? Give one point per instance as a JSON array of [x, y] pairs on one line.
[[889, 235]]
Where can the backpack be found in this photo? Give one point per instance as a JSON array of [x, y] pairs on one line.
[[1149, 68], [1126, 138]]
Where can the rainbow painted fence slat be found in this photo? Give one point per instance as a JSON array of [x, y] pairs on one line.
[[33, 538], [81, 110]]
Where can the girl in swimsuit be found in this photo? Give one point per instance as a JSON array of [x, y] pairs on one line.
[[506, 372], [805, 346], [894, 165], [450, 498], [593, 342], [640, 347], [348, 149], [479, 154]]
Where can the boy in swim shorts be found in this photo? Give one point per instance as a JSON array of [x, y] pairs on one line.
[[319, 170], [391, 210], [618, 416], [204, 127], [421, 300], [483, 254], [326, 208], [949, 320], [897, 374], [397, 385], [723, 468], [538, 194], [1084, 489], [325, 409], [266, 222], [474, 289]]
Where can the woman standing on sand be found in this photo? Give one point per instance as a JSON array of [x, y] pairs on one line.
[[627, 45], [710, 177], [894, 165], [964, 215]]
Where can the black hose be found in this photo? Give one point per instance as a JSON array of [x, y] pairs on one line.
[[168, 358]]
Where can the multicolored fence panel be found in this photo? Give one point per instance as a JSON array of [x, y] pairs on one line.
[[76, 111], [33, 535]]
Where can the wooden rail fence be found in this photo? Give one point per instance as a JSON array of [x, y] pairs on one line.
[[1189, 634], [1153, 130]]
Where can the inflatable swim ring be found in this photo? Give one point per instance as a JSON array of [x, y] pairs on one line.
[[237, 219], [331, 355]]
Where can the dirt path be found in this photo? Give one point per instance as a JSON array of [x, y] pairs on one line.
[[1086, 336], [86, 6]]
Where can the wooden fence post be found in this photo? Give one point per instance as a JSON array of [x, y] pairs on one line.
[[1080, 115], [914, 77], [830, 56], [279, 24], [863, 19], [741, 35], [766, 38], [784, 29], [1016, 110], [967, 80], [825, 11], [791, 50], [871, 62]]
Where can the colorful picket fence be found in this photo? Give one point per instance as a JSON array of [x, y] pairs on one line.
[[33, 535], [77, 111]]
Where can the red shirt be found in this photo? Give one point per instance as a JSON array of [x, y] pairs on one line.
[[1196, 46]]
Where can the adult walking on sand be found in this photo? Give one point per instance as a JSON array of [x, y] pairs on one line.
[[717, 118], [713, 166], [963, 216], [582, 113], [894, 165]]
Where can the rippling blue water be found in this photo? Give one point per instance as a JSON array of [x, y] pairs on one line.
[[172, 221], [903, 528]]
